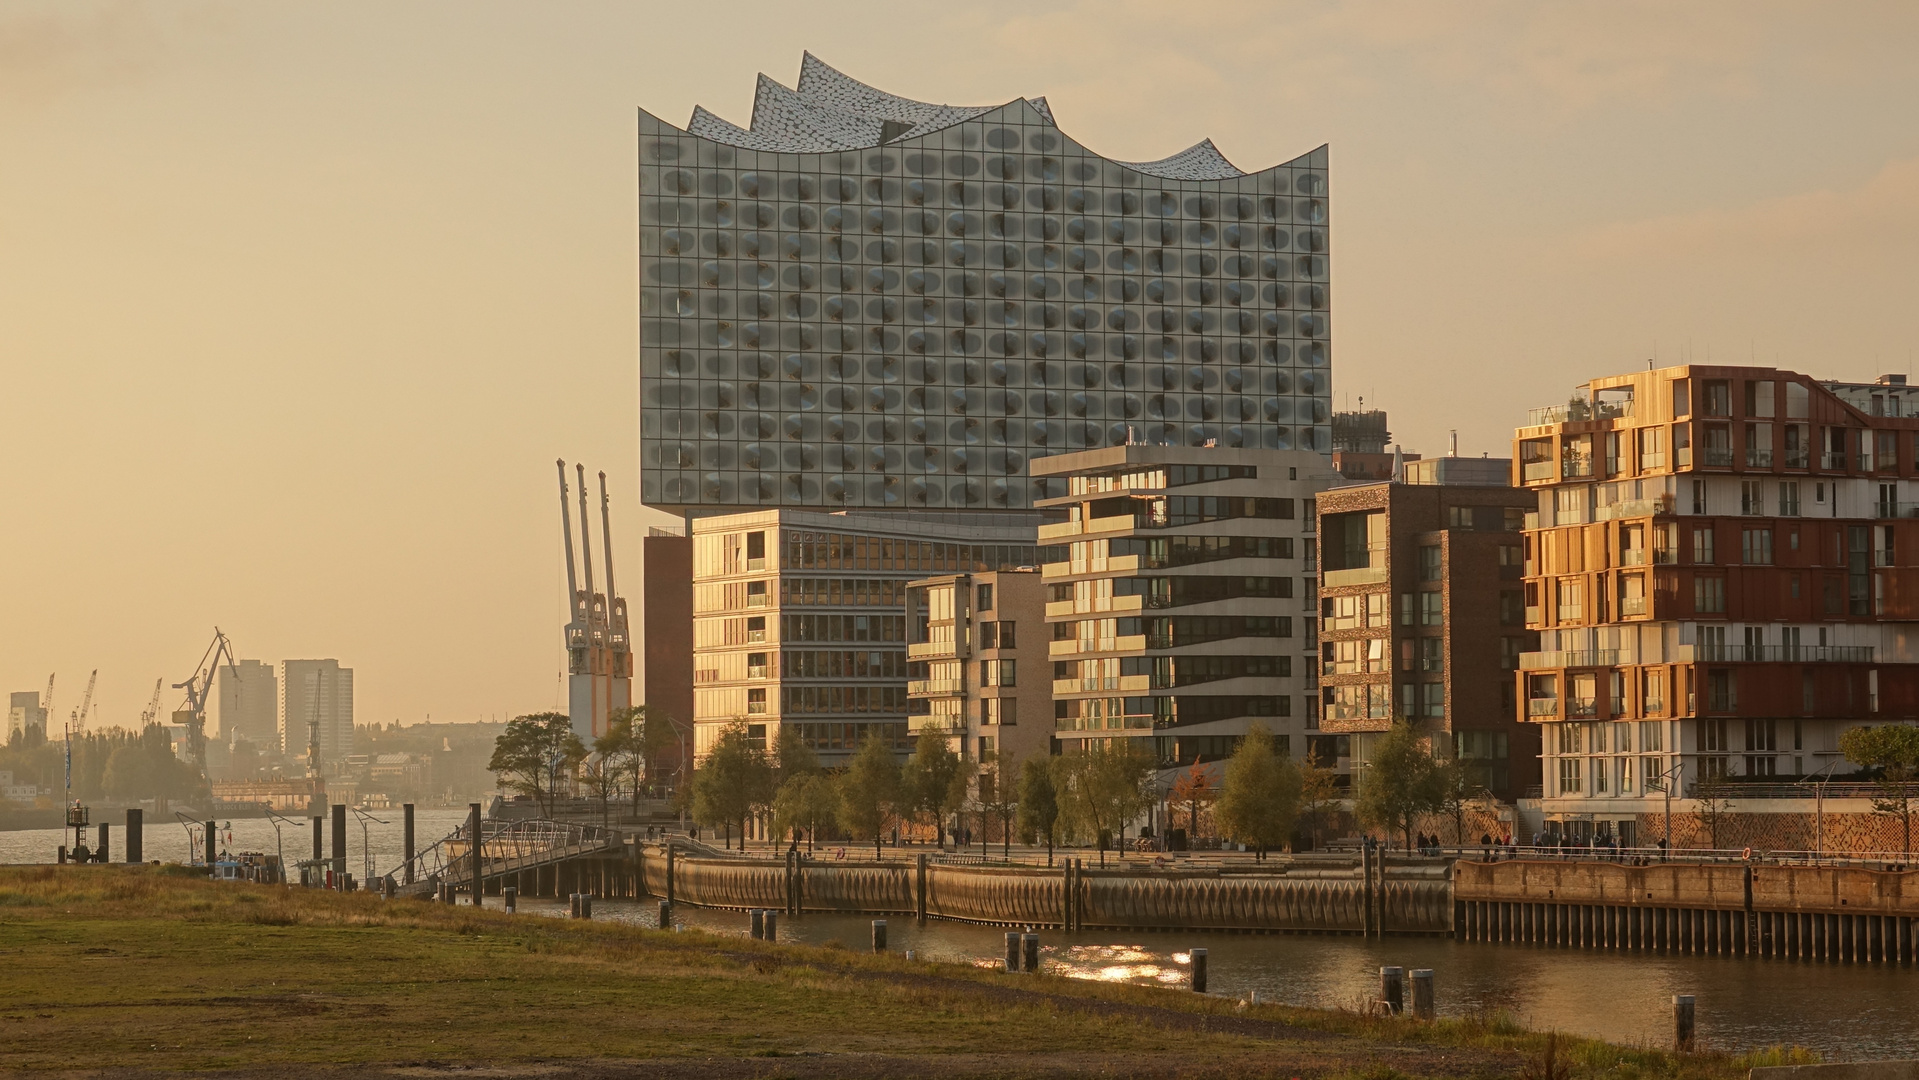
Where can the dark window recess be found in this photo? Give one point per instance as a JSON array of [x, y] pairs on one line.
[[1181, 591], [1156, 553], [1173, 632]]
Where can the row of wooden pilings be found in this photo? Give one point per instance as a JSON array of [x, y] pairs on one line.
[[1786, 935]]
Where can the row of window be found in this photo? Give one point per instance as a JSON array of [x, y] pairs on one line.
[[1374, 701], [1374, 609], [1162, 477]]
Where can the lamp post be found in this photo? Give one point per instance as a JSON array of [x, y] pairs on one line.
[[1665, 781], [279, 849], [1819, 780], [366, 843]]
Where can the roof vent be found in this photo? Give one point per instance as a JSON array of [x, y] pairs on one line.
[[1892, 380]]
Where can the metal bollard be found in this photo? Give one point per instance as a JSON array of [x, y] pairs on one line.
[[1423, 994], [1030, 942], [772, 928], [666, 914], [757, 918], [1199, 971], [573, 905], [879, 935], [511, 896], [1012, 953], [1682, 1022], [586, 905], [1392, 989]]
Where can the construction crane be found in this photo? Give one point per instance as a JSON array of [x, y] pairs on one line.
[[78, 721], [151, 715], [199, 686], [46, 705]]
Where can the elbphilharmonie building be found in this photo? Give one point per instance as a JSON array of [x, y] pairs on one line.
[[863, 301]]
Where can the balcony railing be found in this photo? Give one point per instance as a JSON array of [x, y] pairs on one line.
[[1759, 457], [934, 687], [1529, 661], [1140, 721], [1575, 411], [1634, 508], [1582, 707], [1576, 465], [1797, 459], [1832, 462], [1537, 470], [1773, 654], [1632, 605], [1542, 706], [1719, 457]]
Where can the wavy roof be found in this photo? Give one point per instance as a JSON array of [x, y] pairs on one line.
[[831, 110]]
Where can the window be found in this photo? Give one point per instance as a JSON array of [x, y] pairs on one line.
[[1722, 695], [1432, 652], [1571, 597], [998, 672], [756, 665], [1652, 700], [756, 700], [756, 592], [1698, 496], [1624, 776], [1702, 544], [756, 628], [1789, 498], [1752, 497], [986, 598], [1007, 639], [1569, 776], [1681, 398], [1622, 737], [1755, 547], [1512, 607], [1405, 609], [1433, 700], [1709, 595], [1762, 735], [1431, 609], [756, 551], [1716, 397], [1761, 766], [1429, 562], [988, 635]]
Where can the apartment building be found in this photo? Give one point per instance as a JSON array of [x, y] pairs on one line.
[[1723, 568], [250, 703], [316, 702], [1182, 605], [977, 664], [1422, 619], [799, 617]]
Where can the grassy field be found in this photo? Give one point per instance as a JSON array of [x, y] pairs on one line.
[[139, 969]]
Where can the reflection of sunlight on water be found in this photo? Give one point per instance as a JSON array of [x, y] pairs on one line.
[[1118, 963]]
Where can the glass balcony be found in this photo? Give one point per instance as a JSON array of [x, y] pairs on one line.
[[1719, 457], [1832, 462], [1758, 457], [1542, 706]]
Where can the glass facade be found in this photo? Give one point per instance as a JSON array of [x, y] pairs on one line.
[[865, 301]]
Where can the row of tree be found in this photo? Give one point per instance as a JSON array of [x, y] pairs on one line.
[[540, 756], [113, 764]]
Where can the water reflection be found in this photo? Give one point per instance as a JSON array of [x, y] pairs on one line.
[[1844, 1012]]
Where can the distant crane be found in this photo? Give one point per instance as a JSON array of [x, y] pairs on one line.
[[151, 715], [199, 686], [46, 705], [78, 721]]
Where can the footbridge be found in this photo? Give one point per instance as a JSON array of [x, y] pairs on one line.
[[509, 852]]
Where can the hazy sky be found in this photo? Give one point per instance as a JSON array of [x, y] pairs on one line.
[[299, 302]]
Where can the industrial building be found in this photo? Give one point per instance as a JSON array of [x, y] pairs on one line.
[[1421, 615], [26, 709], [863, 301], [977, 664], [800, 618], [1182, 601], [1723, 568]]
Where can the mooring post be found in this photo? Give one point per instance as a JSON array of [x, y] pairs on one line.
[[100, 846], [573, 905], [1066, 895], [1682, 1022], [757, 920], [586, 905], [479, 842], [919, 891], [666, 914], [1199, 971], [137, 834], [879, 935], [1012, 952], [511, 897], [1392, 988], [63, 855], [212, 831], [407, 811], [339, 842], [669, 877], [1030, 942], [1366, 888], [319, 849], [1423, 993], [771, 931]]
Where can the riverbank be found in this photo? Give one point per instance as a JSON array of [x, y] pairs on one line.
[[115, 968]]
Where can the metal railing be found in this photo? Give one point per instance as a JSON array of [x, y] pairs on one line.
[[505, 847], [1767, 654]]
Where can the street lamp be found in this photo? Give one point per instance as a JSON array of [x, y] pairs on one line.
[[366, 844], [1819, 780], [279, 849], [1665, 780]]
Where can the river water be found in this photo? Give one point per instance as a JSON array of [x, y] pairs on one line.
[[1845, 1012], [168, 840]]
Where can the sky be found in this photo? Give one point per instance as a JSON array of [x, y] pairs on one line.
[[299, 302]]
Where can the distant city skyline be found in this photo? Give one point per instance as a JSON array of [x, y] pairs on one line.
[[301, 302]]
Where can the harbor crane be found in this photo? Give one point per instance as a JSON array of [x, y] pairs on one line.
[[151, 714], [78, 721], [199, 687]]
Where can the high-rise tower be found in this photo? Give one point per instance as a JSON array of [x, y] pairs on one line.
[[863, 301]]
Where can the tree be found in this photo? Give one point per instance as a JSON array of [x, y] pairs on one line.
[[1038, 804], [1893, 750], [1259, 798], [1711, 803], [792, 758], [998, 787], [601, 776], [1318, 797], [807, 801], [869, 790], [1457, 787], [1103, 787], [733, 781], [623, 750], [933, 781], [1399, 786], [1193, 789], [533, 753]]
